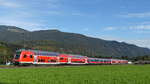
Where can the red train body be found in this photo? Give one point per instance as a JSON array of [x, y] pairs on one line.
[[43, 57]]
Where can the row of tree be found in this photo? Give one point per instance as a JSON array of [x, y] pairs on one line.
[[7, 50]]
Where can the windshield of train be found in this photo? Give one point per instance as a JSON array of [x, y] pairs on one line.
[[17, 55]]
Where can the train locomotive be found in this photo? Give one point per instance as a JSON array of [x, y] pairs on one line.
[[37, 57]]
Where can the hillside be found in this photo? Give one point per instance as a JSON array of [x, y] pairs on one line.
[[55, 40]]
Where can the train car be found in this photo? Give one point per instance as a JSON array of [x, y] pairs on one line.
[[119, 61], [64, 59], [99, 61], [35, 57], [78, 59]]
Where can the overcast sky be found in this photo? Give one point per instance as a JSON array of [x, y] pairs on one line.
[[121, 20]]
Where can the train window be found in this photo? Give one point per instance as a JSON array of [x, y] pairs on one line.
[[61, 58], [25, 56], [92, 60], [105, 61], [49, 60], [41, 60], [53, 60], [18, 53], [31, 56], [101, 60], [96, 60], [17, 56]]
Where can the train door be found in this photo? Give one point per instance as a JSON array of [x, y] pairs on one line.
[[35, 59]]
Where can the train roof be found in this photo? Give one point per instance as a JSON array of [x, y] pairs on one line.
[[120, 59], [100, 58], [39, 52], [109, 59], [77, 56]]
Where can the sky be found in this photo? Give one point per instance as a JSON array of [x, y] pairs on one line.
[[120, 20]]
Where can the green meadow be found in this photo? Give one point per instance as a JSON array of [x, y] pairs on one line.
[[99, 74]]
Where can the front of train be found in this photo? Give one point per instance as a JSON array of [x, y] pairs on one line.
[[23, 57], [16, 58]]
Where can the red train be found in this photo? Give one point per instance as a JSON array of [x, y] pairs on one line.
[[42, 57]]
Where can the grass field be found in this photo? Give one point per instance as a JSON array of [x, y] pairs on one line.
[[109, 74]]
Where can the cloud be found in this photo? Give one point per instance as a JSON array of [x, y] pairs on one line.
[[140, 27], [26, 25], [108, 37], [144, 23], [110, 28], [137, 28], [141, 43], [29, 20], [8, 3], [22, 19], [136, 15]]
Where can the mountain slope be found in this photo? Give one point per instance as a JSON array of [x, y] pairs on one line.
[[69, 42]]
